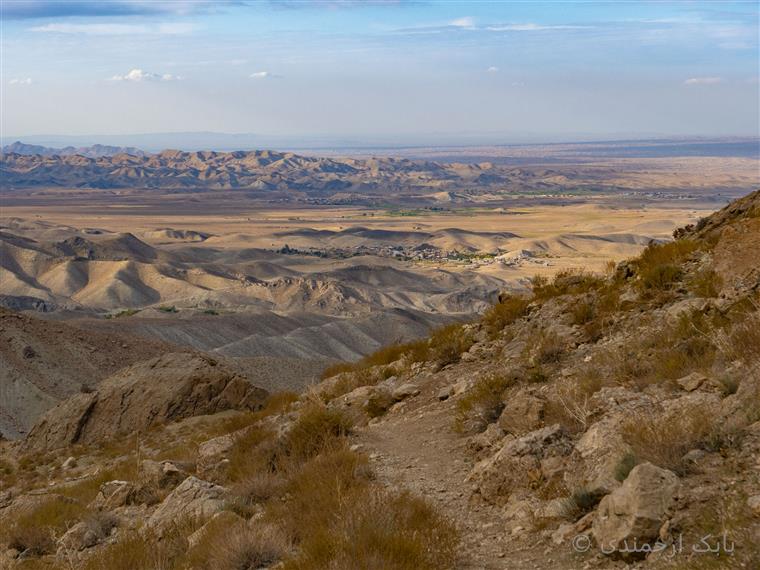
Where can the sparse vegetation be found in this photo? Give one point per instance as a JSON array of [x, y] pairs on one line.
[[664, 438], [482, 404], [447, 344], [503, 314], [579, 503], [35, 530], [567, 282], [624, 466]]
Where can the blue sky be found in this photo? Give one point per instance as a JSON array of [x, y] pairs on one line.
[[403, 70]]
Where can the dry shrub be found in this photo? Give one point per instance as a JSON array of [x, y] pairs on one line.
[[659, 265], [317, 491], [237, 547], [246, 455], [447, 344], [378, 530], [569, 403], [670, 253], [254, 490], [379, 401], [580, 502], [248, 549], [664, 438], [482, 404], [317, 429], [544, 347], [566, 282], [582, 312], [141, 551], [35, 530], [726, 516], [742, 343], [706, 283], [503, 314]]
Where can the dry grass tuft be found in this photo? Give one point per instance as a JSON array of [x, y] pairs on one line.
[[567, 282], [503, 314], [447, 344], [34, 531], [376, 530], [664, 438]]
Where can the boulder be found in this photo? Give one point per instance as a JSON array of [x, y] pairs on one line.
[[512, 466], [597, 455], [692, 382], [523, 412], [405, 391], [192, 499], [162, 474], [636, 510], [114, 494], [165, 389]]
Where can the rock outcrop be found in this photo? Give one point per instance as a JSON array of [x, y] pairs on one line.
[[193, 499], [636, 510], [161, 390]]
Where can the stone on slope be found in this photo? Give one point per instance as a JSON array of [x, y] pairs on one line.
[[192, 499], [538, 452], [636, 510], [161, 390]]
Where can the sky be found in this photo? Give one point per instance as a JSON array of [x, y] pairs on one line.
[[392, 71]]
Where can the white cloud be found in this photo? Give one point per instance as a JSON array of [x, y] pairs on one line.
[[492, 69], [530, 27], [21, 81], [166, 28], [138, 75], [703, 81], [466, 22], [262, 75]]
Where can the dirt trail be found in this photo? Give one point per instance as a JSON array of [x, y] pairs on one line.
[[417, 450]]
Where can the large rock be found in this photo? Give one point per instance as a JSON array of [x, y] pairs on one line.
[[193, 499], [597, 455], [523, 412], [538, 454], [636, 510], [164, 389]]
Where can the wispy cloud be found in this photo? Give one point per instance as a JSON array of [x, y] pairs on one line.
[[111, 29], [703, 81], [138, 76], [531, 27], [263, 75], [466, 22], [35, 9], [21, 81], [492, 69]]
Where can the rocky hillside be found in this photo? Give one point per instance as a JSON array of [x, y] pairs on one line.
[[43, 362], [600, 422]]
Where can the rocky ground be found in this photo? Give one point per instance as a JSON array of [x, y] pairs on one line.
[[602, 422]]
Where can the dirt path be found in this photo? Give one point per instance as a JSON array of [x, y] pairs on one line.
[[417, 450]]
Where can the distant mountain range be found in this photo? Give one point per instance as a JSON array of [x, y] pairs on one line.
[[254, 170], [94, 151]]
